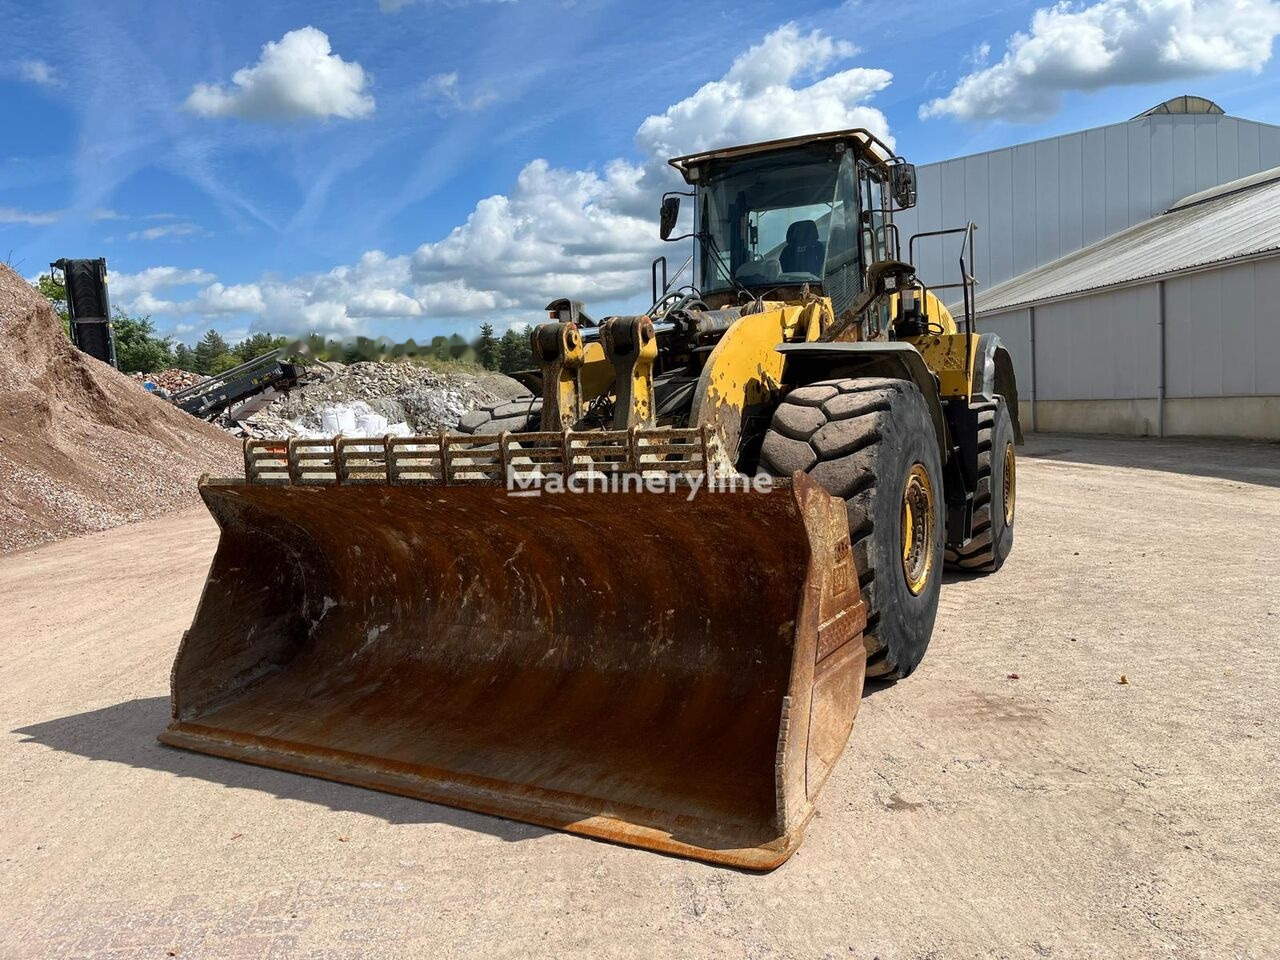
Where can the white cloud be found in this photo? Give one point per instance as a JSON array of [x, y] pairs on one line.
[[297, 76], [559, 233], [1114, 42], [590, 235], [587, 234], [217, 298], [444, 91], [38, 71], [758, 100], [395, 6], [127, 286], [181, 229], [442, 86], [42, 218], [148, 304], [383, 302], [336, 303], [294, 308], [31, 218], [457, 297]]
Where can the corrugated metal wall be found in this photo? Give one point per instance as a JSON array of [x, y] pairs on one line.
[[1222, 339], [1038, 201], [1104, 347], [1223, 332], [1014, 330]]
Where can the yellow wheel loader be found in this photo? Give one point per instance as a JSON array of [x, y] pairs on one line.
[[638, 604]]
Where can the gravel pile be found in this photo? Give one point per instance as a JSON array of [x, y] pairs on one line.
[[82, 448], [427, 400]]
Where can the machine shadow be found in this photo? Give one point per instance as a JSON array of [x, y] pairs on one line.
[[1241, 461], [870, 687], [126, 733]]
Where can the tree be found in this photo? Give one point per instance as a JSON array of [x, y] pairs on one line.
[[138, 349], [211, 346], [223, 363], [487, 347], [184, 357], [460, 351], [514, 351], [440, 348], [256, 344], [55, 291]]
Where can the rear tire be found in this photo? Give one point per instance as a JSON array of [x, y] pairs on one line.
[[867, 440], [516, 416], [995, 496]]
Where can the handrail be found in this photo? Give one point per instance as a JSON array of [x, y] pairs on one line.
[[653, 277], [968, 278]]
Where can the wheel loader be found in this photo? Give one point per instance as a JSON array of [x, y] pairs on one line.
[[638, 604]]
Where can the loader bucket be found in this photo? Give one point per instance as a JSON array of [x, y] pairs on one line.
[[672, 672]]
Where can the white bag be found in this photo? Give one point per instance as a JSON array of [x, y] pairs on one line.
[[336, 420], [371, 425]]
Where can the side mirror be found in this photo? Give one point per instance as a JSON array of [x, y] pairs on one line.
[[667, 217], [902, 184]]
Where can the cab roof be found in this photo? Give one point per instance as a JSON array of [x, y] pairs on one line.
[[865, 140]]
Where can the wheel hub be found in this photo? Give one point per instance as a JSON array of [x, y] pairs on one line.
[[918, 524], [1010, 484]]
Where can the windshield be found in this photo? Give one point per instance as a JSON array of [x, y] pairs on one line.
[[777, 220]]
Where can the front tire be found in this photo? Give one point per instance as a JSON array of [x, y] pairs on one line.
[[871, 441], [517, 416]]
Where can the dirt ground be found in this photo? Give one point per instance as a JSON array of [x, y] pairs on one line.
[[1059, 814]]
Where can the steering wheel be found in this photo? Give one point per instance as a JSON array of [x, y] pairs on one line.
[[673, 302]]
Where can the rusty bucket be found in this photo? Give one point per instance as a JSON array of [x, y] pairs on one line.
[[677, 673]]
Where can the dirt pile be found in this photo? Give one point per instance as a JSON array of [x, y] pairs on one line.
[[426, 399], [82, 446]]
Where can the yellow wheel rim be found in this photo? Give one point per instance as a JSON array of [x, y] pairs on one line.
[[918, 523], [1010, 484]]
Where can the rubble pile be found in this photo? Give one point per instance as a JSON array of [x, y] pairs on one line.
[[408, 395], [82, 448], [171, 380]]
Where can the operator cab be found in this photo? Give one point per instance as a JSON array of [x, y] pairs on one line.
[[784, 214]]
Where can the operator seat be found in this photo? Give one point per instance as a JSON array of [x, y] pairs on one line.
[[803, 252]]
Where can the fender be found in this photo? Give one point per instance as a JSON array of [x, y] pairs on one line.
[[742, 378], [993, 374], [807, 362]]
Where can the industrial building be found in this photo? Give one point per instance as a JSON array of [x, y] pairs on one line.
[[1133, 270], [1168, 328]]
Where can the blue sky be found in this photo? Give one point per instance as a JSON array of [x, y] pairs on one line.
[[413, 167]]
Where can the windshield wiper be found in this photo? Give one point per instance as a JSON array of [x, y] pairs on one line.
[[714, 247]]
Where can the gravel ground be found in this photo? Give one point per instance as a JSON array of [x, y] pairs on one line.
[[1060, 814]]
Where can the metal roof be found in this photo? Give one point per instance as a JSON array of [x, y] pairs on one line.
[[1236, 221], [877, 148], [1231, 186]]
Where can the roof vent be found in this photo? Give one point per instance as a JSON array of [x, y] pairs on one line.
[[1183, 104]]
